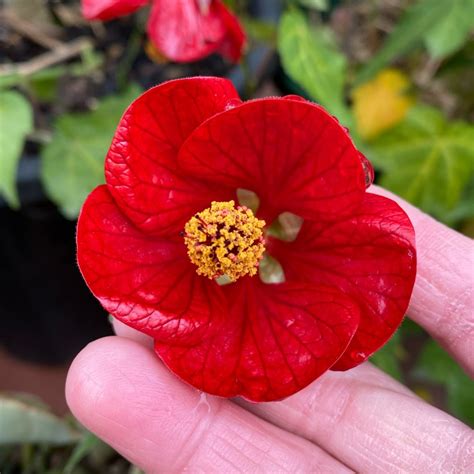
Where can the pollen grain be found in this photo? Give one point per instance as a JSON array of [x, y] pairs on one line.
[[225, 240]]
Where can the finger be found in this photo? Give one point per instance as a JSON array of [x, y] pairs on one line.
[[371, 428], [120, 391], [443, 297], [123, 330]]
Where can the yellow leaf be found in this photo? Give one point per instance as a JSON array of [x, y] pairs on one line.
[[381, 103]]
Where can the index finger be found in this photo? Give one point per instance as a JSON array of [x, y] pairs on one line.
[[443, 296]]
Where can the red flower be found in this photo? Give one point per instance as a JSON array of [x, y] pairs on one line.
[[348, 274], [182, 30]]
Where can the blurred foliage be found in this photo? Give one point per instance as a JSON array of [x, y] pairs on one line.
[[46, 79], [260, 30], [427, 160], [73, 162], [435, 365], [34, 440], [421, 20], [23, 421], [88, 444], [390, 88], [389, 356], [311, 58], [13, 132], [316, 4], [450, 32]]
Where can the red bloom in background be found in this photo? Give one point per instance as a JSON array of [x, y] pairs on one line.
[[348, 274], [182, 30]]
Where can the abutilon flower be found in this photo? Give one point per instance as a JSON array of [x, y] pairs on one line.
[[157, 242], [181, 30]]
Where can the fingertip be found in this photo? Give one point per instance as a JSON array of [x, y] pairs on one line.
[[88, 377], [119, 390]]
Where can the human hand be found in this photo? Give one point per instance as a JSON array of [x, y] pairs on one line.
[[360, 420]]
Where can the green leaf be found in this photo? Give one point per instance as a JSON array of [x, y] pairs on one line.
[[311, 59], [409, 329], [73, 162], [21, 422], [322, 5], [135, 470], [87, 444], [16, 122], [389, 356], [435, 365], [258, 30], [408, 33], [464, 209], [426, 160], [451, 32]]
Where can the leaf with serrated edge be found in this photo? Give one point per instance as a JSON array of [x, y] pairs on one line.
[[16, 122], [426, 160]]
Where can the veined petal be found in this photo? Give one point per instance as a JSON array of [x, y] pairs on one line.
[[292, 153], [370, 256], [109, 9], [187, 30], [276, 340], [141, 169], [146, 282]]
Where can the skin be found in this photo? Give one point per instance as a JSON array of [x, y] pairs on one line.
[[355, 421]]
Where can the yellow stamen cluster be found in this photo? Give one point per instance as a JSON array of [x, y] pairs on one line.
[[225, 240]]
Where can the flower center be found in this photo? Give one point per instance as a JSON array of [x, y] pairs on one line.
[[224, 240]]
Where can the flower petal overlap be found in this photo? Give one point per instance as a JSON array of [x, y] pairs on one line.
[[348, 274], [146, 282], [370, 256], [294, 155], [141, 165]]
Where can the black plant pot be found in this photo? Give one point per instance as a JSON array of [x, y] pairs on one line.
[[47, 312]]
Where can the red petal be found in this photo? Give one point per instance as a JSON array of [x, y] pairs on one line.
[[293, 154], [141, 169], [234, 39], [187, 30], [371, 256], [277, 340], [146, 282], [108, 9]]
